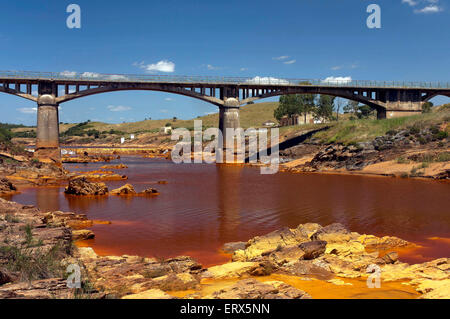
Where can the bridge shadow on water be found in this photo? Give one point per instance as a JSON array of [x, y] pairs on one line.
[[291, 142]]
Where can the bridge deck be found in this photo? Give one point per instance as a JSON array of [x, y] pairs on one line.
[[89, 77]]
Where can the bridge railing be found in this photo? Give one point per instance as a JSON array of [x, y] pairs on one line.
[[157, 78]]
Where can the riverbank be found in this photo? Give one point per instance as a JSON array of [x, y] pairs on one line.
[[309, 261]]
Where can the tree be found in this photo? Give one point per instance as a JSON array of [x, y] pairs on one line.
[[325, 107], [289, 105], [307, 104], [426, 107], [364, 111], [338, 104], [351, 107]]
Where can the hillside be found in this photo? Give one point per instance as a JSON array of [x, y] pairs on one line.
[[349, 132], [252, 115]]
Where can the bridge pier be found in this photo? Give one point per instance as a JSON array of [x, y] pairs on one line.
[[403, 108], [228, 119], [47, 132]]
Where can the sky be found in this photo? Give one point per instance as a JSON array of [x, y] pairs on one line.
[[284, 39]]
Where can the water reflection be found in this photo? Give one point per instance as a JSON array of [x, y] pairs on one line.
[[228, 181]]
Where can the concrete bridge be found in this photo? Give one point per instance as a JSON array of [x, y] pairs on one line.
[[48, 90]]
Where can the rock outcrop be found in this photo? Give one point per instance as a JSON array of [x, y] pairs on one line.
[[6, 187], [119, 276], [126, 189], [254, 289], [81, 186], [118, 166], [31, 172], [333, 251]]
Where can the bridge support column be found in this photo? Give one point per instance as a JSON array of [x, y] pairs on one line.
[[228, 119], [390, 114], [47, 132], [400, 109], [381, 113]]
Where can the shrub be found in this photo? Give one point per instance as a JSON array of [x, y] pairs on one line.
[[402, 160], [441, 135], [414, 130], [33, 264]]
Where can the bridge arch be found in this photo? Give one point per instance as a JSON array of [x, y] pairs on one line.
[[429, 96], [158, 88], [347, 94]]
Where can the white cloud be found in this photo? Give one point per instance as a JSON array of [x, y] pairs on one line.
[[337, 67], [266, 80], [290, 62], [429, 9], [161, 66], [212, 67], [168, 99], [118, 108], [280, 58], [117, 77], [410, 2], [68, 73], [429, 6], [90, 75], [27, 110], [243, 69], [337, 80]]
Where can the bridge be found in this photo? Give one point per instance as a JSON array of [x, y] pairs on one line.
[[48, 90]]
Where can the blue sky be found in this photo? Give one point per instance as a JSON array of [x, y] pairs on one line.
[[285, 38]]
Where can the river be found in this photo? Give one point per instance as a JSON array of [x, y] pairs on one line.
[[204, 206]]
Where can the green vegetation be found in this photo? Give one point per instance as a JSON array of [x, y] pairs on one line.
[[402, 160], [348, 132], [5, 135], [426, 107], [324, 107], [321, 106], [33, 264], [78, 130], [301, 104]]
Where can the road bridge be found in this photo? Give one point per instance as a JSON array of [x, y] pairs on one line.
[[48, 90]]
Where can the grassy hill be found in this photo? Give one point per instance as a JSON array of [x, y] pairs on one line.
[[348, 132], [252, 115]]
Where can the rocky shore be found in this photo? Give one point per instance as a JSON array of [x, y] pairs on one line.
[[30, 172], [36, 248], [82, 186], [403, 153]]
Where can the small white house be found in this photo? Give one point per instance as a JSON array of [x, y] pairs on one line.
[[166, 130], [269, 123], [122, 140], [132, 137]]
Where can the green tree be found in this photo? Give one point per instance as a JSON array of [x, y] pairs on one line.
[[351, 107], [364, 111], [325, 107], [307, 104], [289, 105], [426, 107], [5, 135]]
